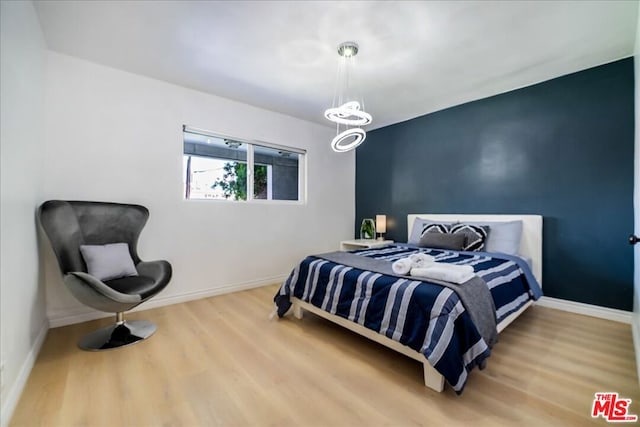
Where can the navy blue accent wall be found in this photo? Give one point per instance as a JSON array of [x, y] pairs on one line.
[[562, 149]]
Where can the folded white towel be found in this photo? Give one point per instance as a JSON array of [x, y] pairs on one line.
[[402, 266], [446, 272], [420, 260], [453, 267]]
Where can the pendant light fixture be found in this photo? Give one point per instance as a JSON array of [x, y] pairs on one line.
[[347, 111]]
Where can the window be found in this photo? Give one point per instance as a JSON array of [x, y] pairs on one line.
[[218, 167]]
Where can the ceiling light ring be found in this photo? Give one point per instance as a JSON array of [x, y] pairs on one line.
[[353, 138], [348, 114], [344, 117]]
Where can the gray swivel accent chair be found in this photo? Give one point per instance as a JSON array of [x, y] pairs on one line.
[[70, 224]]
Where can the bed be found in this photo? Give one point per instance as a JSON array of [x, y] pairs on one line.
[[400, 312]]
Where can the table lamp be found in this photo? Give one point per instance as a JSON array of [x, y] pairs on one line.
[[381, 226]]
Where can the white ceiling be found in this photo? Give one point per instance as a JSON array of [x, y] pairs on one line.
[[415, 57]]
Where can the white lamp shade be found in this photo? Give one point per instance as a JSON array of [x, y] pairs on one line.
[[381, 223]]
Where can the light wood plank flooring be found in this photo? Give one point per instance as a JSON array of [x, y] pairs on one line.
[[220, 361]]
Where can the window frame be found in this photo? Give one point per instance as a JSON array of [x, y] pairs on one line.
[[302, 168]]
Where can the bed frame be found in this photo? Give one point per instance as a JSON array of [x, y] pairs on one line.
[[530, 247]]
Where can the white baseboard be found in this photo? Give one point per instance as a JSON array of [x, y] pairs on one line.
[[84, 314], [586, 309], [15, 391]]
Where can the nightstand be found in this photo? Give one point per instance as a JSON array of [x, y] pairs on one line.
[[349, 245]]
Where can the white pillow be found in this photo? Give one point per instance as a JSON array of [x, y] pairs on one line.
[[107, 262], [504, 236]]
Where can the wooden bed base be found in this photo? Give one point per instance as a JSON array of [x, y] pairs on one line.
[[432, 378]]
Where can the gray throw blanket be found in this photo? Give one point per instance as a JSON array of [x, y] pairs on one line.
[[474, 293]]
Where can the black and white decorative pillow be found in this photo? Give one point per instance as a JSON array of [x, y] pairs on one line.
[[436, 228], [475, 235]]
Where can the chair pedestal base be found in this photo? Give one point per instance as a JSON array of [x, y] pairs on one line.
[[118, 335]]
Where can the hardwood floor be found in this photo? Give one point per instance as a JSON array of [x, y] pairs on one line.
[[221, 361]]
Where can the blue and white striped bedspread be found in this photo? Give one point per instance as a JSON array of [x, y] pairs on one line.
[[509, 279], [426, 317]]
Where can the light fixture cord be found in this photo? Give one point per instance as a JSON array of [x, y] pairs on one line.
[[357, 92], [336, 87]]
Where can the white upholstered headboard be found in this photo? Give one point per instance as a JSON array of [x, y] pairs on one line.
[[530, 244]]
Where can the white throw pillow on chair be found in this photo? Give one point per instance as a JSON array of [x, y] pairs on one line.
[[107, 262]]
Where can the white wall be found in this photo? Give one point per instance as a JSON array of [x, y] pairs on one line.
[[117, 136], [636, 202], [22, 74]]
